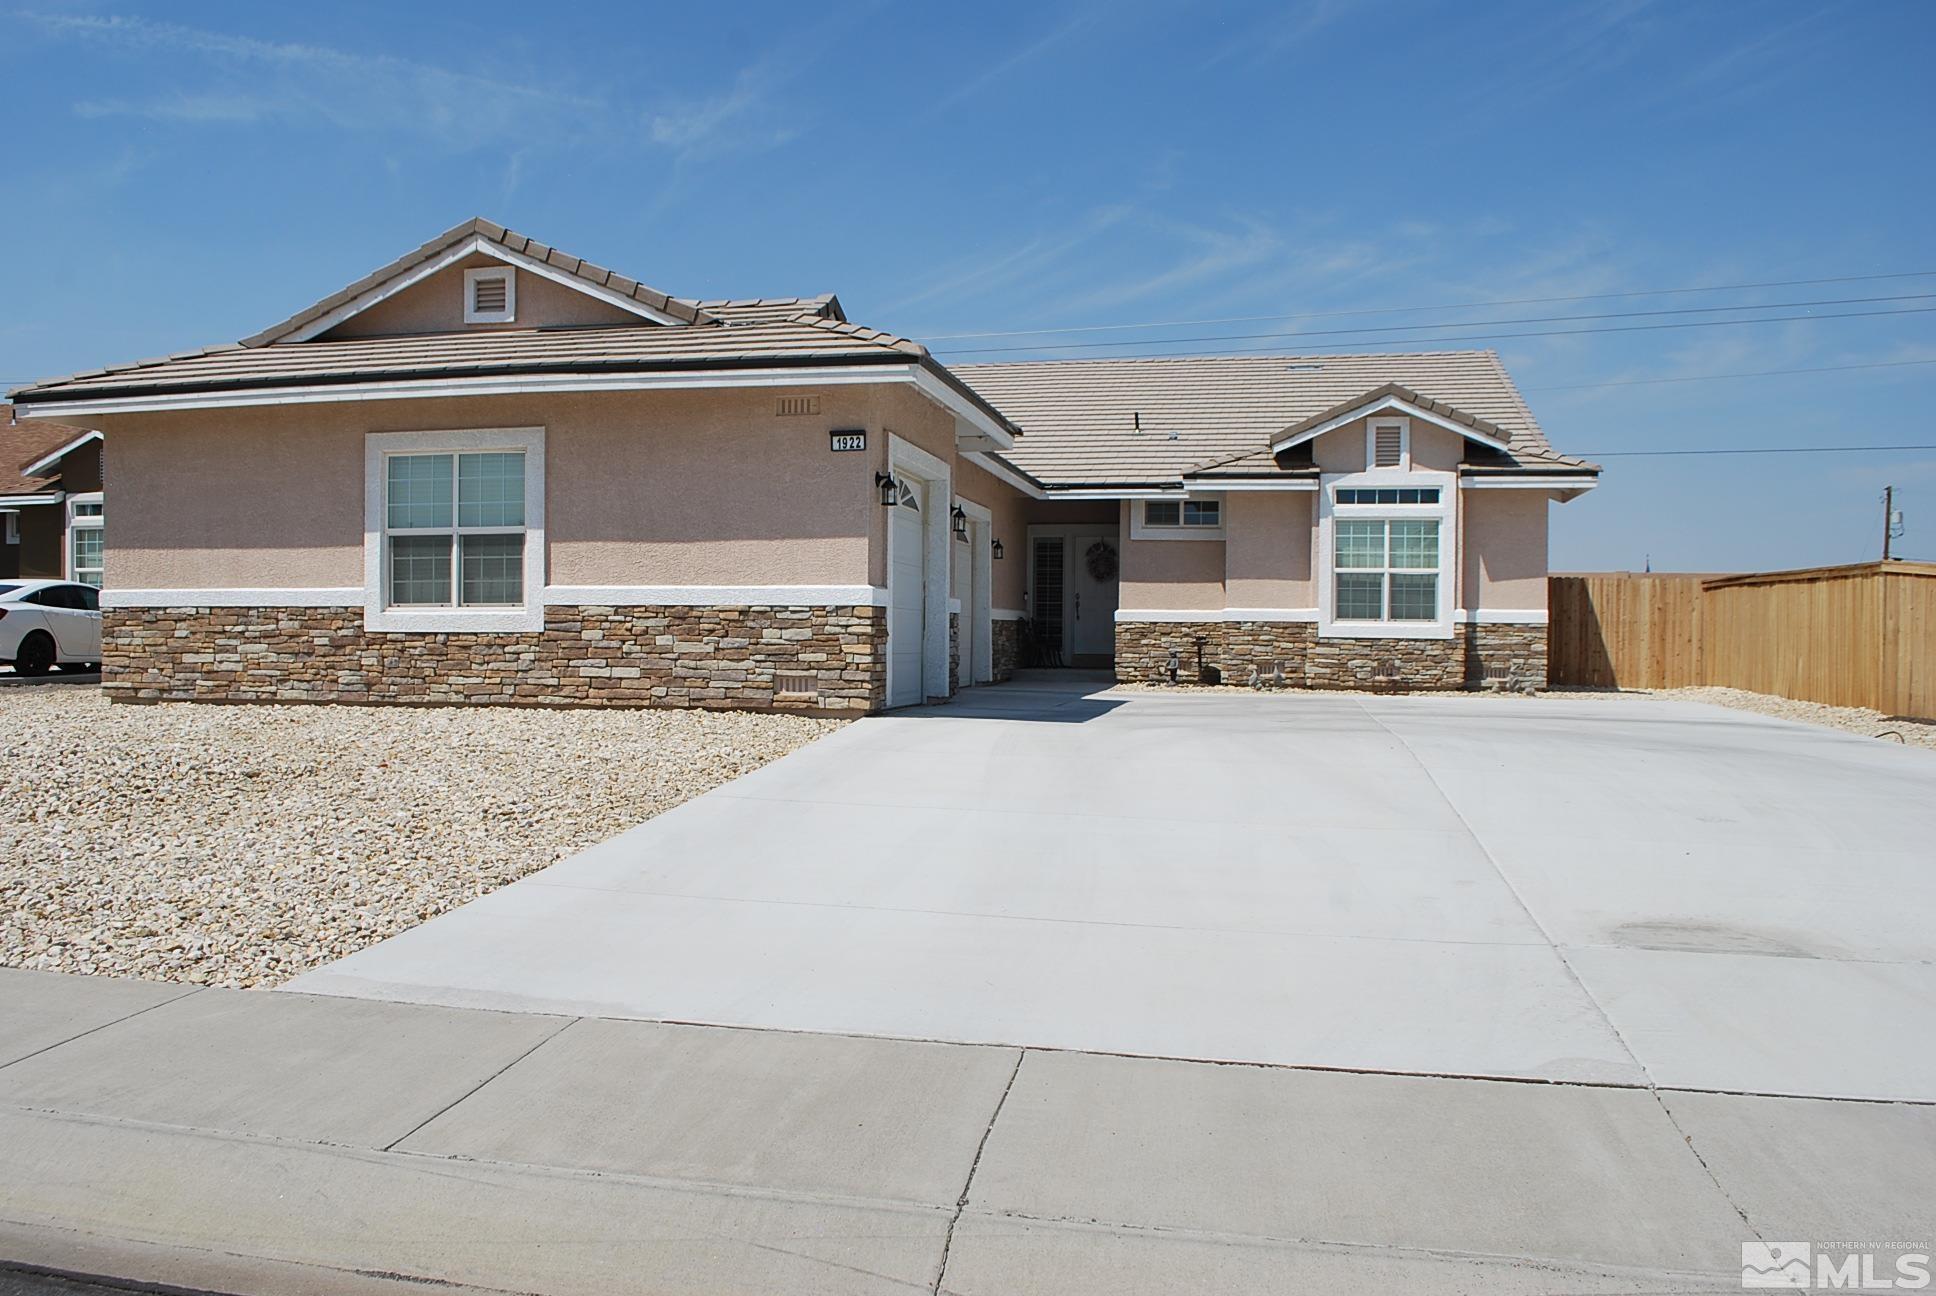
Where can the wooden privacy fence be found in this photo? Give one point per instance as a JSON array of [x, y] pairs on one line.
[[1863, 635]]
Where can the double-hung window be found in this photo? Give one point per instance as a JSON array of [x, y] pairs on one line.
[[87, 538], [455, 524], [1386, 569], [455, 540]]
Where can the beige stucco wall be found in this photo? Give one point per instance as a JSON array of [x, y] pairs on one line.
[[1504, 550], [1009, 512], [659, 488], [436, 305], [1268, 537], [1184, 575]]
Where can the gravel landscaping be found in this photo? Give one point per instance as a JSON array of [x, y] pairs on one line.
[[242, 845], [1859, 720]]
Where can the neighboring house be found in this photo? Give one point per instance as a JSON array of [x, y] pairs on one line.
[[52, 515], [492, 472]]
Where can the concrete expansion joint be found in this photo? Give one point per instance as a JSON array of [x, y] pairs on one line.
[[967, 1185], [186, 994], [472, 1091]]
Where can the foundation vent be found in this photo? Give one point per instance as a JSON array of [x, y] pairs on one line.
[[796, 686], [795, 406]]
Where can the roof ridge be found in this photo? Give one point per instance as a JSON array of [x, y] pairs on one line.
[[1200, 359]]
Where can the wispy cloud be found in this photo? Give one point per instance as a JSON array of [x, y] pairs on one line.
[[975, 86], [736, 120], [242, 80], [1288, 26]]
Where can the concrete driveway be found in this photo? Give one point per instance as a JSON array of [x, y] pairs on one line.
[[1606, 890]]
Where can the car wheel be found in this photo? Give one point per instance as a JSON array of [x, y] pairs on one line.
[[35, 656]]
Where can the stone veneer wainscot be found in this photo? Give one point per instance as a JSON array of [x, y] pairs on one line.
[[1473, 655], [715, 657]]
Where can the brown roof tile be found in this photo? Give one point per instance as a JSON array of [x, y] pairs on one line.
[[1197, 412], [23, 443]]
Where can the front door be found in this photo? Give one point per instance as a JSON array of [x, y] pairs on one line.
[[1093, 582]]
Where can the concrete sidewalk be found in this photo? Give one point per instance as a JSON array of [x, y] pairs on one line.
[[242, 1141]]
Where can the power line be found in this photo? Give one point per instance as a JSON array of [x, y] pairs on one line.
[[1537, 333], [1757, 450], [1758, 373], [1397, 310], [1402, 328]]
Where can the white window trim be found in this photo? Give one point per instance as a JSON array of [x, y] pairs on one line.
[[1329, 511], [1404, 426], [472, 278], [77, 523], [1141, 530], [377, 447], [981, 571], [12, 524]]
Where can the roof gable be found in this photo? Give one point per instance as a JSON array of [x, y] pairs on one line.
[[1396, 398], [475, 238]]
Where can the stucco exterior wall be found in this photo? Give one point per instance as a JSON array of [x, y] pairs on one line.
[[1184, 575], [1342, 450], [436, 305], [1268, 538], [1504, 552], [651, 488], [1009, 512]]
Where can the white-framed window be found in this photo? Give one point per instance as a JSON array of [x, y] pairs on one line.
[[1385, 569], [1388, 443], [491, 295], [454, 530], [86, 538], [1385, 555], [1177, 519]]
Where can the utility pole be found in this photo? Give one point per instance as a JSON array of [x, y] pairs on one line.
[[1891, 520]]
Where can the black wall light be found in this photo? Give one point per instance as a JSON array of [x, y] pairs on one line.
[[889, 488], [961, 523], [995, 549]]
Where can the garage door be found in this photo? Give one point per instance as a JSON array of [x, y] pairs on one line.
[[907, 597]]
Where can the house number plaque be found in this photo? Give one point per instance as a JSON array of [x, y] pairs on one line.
[[847, 440]]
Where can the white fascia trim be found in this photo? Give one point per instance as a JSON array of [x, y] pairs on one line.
[[23, 501], [715, 596], [1378, 406], [379, 618], [35, 468], [1529, 483], [342, 596], [1384, 630], [1115, 493], [1186, 616], [1501, 616], [1007, 614], [806, 376], [1001, 472], [1221, 486], [451, 256], [962, 408]]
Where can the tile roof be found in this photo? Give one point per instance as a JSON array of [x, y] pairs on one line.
[[1221, 413], [760, 310], [621, 348], [596, 276], [22, 444]]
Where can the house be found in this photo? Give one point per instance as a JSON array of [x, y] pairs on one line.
[[52, 515], [493, 472]]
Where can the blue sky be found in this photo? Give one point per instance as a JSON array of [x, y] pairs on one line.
[[184, 174]]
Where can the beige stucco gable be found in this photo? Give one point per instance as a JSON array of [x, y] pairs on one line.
[[436, 305]]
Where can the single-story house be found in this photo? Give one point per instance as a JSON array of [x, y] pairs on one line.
[[493, 472], [52, 513]]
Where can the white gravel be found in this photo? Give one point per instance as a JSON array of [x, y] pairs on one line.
[[1858, 720], [243, 845]]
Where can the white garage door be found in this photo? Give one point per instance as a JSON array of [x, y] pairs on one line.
[[907, 597]]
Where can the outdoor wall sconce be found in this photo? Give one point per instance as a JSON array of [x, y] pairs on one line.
[[995, 550], [961, 523], [889, 488]]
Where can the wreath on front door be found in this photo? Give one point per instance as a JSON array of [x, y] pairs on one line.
[[1101, 558]]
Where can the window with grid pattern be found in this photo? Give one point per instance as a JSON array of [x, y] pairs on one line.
[[1386, 570], [454, 527]]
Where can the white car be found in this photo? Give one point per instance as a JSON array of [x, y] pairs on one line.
[[49, 623]]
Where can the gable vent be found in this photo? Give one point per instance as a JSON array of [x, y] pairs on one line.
[[1388, 446], [793, 406], [487, 296], [490, 296]]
